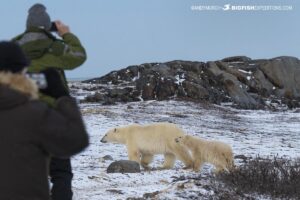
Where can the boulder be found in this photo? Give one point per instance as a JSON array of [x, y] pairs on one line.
[[124, 166], [166, 88], [97, 97], [108, 157], [195, 91], [260, 84], [235, 89], [242, 59], [284, 74]]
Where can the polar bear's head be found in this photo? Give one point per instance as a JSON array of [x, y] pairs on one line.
[[113, 135]]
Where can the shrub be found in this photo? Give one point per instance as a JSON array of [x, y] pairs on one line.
[[277, 177]]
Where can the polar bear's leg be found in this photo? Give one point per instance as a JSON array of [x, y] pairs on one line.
[[219, 168], [183, 154], [221, 165], [133, 153], [169, 161], [146, 159], [197, 164]]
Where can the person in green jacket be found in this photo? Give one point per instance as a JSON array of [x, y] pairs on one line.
[[46, 51]]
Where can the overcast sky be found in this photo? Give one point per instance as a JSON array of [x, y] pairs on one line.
[[121, 33]]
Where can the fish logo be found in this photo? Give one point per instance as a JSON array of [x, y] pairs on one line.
[[226, 7]]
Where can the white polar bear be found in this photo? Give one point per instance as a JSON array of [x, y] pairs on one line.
[[214, 152], [143, 142]]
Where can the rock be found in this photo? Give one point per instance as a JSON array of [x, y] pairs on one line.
[[260, 84], [109, 101], [291, 103], [108, 157], [297, 110], [124, 166], [166, 88], [239, 80], [284, 74], [129, 107], [151, 195], [235, 89], [97, 97], [125, 94], [114, 191], [148, 92], [242, 157], [195, 91], [119, 92], [237, 59]]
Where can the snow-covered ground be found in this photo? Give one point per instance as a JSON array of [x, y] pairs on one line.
[[248, 132]]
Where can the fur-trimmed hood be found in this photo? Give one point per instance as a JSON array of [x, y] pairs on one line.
[[15, 89], [31, 130]]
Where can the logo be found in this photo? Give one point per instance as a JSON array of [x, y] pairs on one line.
[[239, 7], [226, 7]]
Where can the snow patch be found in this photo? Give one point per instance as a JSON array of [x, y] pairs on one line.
[[179, 79], [246, 72], [136, 77]]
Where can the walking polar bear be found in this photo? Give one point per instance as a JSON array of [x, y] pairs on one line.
[[216, 153], [143, 142]]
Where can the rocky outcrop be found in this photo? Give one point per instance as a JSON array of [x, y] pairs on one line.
[[246, 83]]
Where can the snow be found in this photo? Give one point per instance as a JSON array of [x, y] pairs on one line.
[[246, 72], [238, 62], [179, 79], [248, 132], [136, 77], [140, 96]]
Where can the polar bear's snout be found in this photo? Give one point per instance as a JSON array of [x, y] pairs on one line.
[[103, 140]]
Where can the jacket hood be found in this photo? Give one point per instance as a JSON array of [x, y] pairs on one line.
[[16, 89]]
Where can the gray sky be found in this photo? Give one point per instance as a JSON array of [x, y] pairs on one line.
[[121, 33]]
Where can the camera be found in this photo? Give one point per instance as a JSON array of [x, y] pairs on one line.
[[53, 27], [39, 79]]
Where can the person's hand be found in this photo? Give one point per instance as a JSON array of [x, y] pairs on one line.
[[61, 28]]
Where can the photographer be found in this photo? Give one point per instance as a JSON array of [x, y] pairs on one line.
[[31, 131], [46, 51]]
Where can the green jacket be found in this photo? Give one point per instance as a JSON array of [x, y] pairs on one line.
[[45, 51]]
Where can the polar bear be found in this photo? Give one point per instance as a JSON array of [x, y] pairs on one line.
[[144, 141], [214, 152]]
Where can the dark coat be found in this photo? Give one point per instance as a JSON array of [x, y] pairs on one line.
[[30, 133]]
